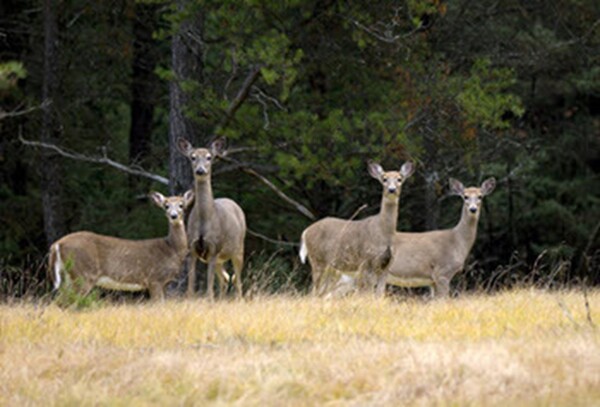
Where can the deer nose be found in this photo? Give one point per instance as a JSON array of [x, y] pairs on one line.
[[201, 171], [173, 215], [392, 190], [473, 209]]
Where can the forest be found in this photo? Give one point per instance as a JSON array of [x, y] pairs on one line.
[[95, 94]]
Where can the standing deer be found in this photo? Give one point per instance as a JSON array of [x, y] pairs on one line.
[[361, 247], [216, 227], [90, 260], [433, 258]]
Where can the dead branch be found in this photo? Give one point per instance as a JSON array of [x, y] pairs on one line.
[[16, 113], [271, 240], [299, 207], [242, 94], [97, 160]]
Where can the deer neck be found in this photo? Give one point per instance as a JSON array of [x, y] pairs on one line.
[[388, 216], [204, 204], [177, 238], [466, 230]]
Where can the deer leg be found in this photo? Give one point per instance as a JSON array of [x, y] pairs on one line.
[[191, 264], [380, 285], [210, 289], [322, 283], [316, 274], [238, 265], [84, 287], [157, 292], [442, 286], [223, 283]]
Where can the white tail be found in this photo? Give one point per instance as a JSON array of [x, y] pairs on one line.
[[216, 227], [131, 265], [58, 266], [303, 253], [360, 247]]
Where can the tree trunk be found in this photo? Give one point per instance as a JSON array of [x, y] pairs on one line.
[[143, 82], [50, 171], [186, 53]]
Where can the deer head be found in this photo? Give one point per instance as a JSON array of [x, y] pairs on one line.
[[472, 196], [391, 180], [202, 158], [174, 206]]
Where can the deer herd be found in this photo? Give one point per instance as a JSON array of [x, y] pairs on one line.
[[362, 255]]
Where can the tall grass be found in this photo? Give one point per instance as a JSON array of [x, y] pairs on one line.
[[516, 347]]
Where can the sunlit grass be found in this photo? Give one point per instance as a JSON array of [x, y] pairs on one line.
[[514, 347]]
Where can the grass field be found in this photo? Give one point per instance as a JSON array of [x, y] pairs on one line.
[[515, 348]]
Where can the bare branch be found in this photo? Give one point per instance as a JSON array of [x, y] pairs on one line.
[[242, 94], [299, 207], [234, 73], [15, 113], [97, 160], [386, 36], [271, 240]]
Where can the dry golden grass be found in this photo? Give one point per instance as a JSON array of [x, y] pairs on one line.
[[516, 348]]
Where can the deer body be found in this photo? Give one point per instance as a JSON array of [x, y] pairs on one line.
[[434, 258], [362, 247], [92, 260], [216, 227]]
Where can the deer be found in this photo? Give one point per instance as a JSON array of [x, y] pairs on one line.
[[92, 260], [360, 248], [216, 227], [434, 258]]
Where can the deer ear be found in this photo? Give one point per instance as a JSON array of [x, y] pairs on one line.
[[218, 147], [488, 186], [157, 198], [375, 170], [407, 169], [188, 198], [184, 146], [456, 187]]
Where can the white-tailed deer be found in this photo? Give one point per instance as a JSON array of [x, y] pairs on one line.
[[216, 227], [89, 260], [433, 258], [361, 248]]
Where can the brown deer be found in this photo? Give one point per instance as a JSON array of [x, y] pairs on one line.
[[90, 260], [216, 227], [362, 247], [434, 258]]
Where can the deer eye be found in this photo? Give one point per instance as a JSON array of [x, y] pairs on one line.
[[208, 158], [180, 206], [466, 198], [480, 197], [193, 158], [384, 179], [166, 206]]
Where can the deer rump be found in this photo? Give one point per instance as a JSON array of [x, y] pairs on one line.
[[94, 259], [346, 246]]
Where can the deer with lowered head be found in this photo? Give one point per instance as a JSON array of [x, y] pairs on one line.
[[91, 260], [360, 248], [216, 227]]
